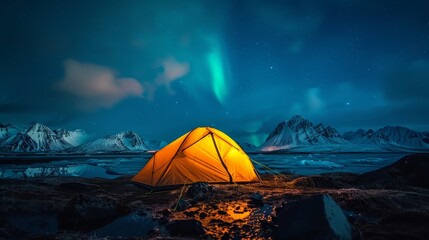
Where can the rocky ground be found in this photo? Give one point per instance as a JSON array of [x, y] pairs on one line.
[[390, 203]]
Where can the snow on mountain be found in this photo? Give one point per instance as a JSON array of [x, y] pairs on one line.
[[7, 131], [20, 142], [45, 138], [39, 138], [393, 135], [300, 132], [329, 133], [75, 138], [122, 142]]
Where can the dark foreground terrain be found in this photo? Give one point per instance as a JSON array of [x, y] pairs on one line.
[[390, 203]]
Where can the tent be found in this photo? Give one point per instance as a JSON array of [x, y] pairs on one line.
[[204, 154]]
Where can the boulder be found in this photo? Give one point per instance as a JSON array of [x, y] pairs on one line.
[[186, 228], [412, 170], [316, 217], [330, 180], [85, 213], [199, 191], [181, 205]]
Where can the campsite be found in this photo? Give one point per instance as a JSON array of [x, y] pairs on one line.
[[204, 186], [81, 208], [214, 119]]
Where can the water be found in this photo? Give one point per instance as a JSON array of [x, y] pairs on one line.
[[308, 164], [110, 168]]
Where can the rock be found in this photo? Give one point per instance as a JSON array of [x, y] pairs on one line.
[[257, 199], [182, 205], [220, 223], [412, 170], [85, 213], [214, 206], [317, 217], [186, 228], [199, 191], [165, 212], [190, 213], [246, 228], [331, 180], [203, 215], [154, 232], [399, 225], [221, 212], [226, 236]]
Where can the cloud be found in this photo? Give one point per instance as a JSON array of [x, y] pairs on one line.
[[94, 86], [173, 70]]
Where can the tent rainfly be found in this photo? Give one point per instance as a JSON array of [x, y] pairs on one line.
[[204, 154]]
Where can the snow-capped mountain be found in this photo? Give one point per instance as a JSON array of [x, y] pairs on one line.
[[396, 135], [40, 138], [300, 132], [122, 142], [45, 138], [7, 131]]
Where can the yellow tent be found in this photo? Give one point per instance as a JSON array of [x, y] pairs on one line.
[[202, 155]]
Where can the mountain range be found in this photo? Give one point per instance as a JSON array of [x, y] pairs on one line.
[[122, 142], [294, 135], [40, 138], [299, 134]]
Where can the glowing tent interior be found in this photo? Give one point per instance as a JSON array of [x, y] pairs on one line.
[[202, 155]]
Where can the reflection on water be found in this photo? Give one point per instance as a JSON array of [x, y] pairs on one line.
[[307, 164], [304, 164]]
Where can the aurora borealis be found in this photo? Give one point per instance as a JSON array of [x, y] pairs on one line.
[[217, 71], [161, 68]]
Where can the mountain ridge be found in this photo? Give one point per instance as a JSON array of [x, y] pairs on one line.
[[40, 138], [126, 141], [300, 133]]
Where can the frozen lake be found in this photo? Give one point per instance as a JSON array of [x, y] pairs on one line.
[[304, 164]]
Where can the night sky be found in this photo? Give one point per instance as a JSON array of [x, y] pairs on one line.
[[161, 68]]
